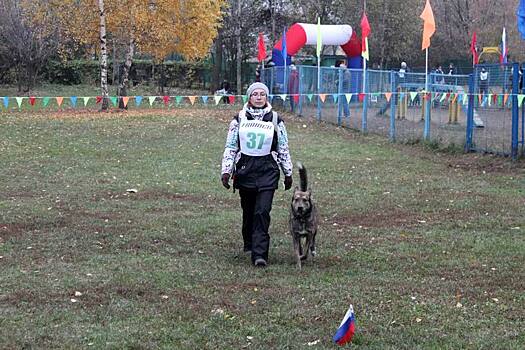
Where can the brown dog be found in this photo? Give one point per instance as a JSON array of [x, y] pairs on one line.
[[303, 219]]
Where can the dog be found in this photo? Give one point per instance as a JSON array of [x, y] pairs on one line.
[[303, 219]]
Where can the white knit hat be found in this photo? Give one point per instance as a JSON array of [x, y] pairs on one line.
[[257, 86]]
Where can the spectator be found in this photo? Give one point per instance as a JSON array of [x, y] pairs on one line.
[[293, 86], [483, 81], [345, 89], [440, 79]]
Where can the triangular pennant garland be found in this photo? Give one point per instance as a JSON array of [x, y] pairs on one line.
[[166, 100], [388, 96], [231, 99], [361, 97], [244, 98], [178, 99], [192, 99], [73, 100], [413, 95], [6, 101], [32, 100], [45, 101], [283, 97], [59, 100], [114, 100], [348, 97], [151, 99], [310, 96], [334, 96], [138, 100], [520, 100], [205, 99], [217, 99], [322, 97], [19, 101], [125, 100], [86, 100]]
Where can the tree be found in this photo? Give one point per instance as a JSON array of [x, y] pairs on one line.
[[27, 38], [154, 27]]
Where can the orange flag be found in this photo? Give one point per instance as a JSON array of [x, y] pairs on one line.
[[429, 26]]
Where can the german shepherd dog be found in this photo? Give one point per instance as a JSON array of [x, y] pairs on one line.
[[303, 219]]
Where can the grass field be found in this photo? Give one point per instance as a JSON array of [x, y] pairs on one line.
[[428, 247]]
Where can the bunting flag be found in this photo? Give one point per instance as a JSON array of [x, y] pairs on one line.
[[465, 99], [310, 96], [505, 98], [346, 329], [261, 47], [429, 25], [454, 97], [295, 98], [282, 96], [6, 101], [114, 100], [166, 100], [503, 55], [365, 31], [125, 100], [520, 16], [99, 99], [178, 99], [495, 98], [59, 100], [413, 95], [244, 98], [45, 101], [361, 96], [19, 101], [86, 100], [73, 100], [217, 99], [334, 96], [192, 99], [322, 97], [32, 100], [401, 96], [443, 97], [138, 100], [348, 97], [520, 100], [388, 95], [489, 99], [231, 99], [204, 99], [474, 49], [480, 99], [319, 38], [151, 100]]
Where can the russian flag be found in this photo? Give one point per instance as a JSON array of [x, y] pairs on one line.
[[503, 56], [346, 329]]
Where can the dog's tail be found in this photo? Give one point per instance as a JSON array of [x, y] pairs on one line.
[[303, 177]]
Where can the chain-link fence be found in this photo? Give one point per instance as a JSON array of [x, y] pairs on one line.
[[480, 112]]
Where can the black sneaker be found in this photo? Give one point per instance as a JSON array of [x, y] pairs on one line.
[[260, 262]]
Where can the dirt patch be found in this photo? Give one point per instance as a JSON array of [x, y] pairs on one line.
[[15, 229]]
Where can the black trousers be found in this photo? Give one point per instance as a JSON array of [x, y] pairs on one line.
[[256, 207]]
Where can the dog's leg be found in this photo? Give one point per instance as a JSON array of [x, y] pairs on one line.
[[307, 246], [297, 251], [312, 246]]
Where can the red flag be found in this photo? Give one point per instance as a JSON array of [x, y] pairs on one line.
[[474, 49], [365, 31], [32, 100], [262, 48]]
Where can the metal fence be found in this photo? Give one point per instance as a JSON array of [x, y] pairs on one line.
[[481, 112]]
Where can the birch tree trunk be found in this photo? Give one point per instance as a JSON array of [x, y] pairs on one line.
[[125, 75], [103, 57], [239, 51]]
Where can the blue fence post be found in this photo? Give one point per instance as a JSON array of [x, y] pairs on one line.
[[339, 97], [515, 111], [272, 74], [300, 92], [364, 122], [320, 87], [470, 113], [428, 106], [393, 106]]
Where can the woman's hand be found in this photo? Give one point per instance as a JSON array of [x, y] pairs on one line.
[[287, 182], [226, 180]]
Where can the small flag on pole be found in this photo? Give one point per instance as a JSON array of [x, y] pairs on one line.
[[474, 49], [261, 55], [520, 15], [429, 25], [365, 31], [346, 329], [503, 55]]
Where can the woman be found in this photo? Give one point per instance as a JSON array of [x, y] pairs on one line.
[[256, 145]]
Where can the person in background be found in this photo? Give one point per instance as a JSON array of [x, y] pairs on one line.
[[256, 146], [483, 81], [293, 87], [346, 89]]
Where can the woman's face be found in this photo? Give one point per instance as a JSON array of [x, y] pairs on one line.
[[258, 98]]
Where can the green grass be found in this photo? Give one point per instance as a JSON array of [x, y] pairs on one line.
[[428, 247]]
